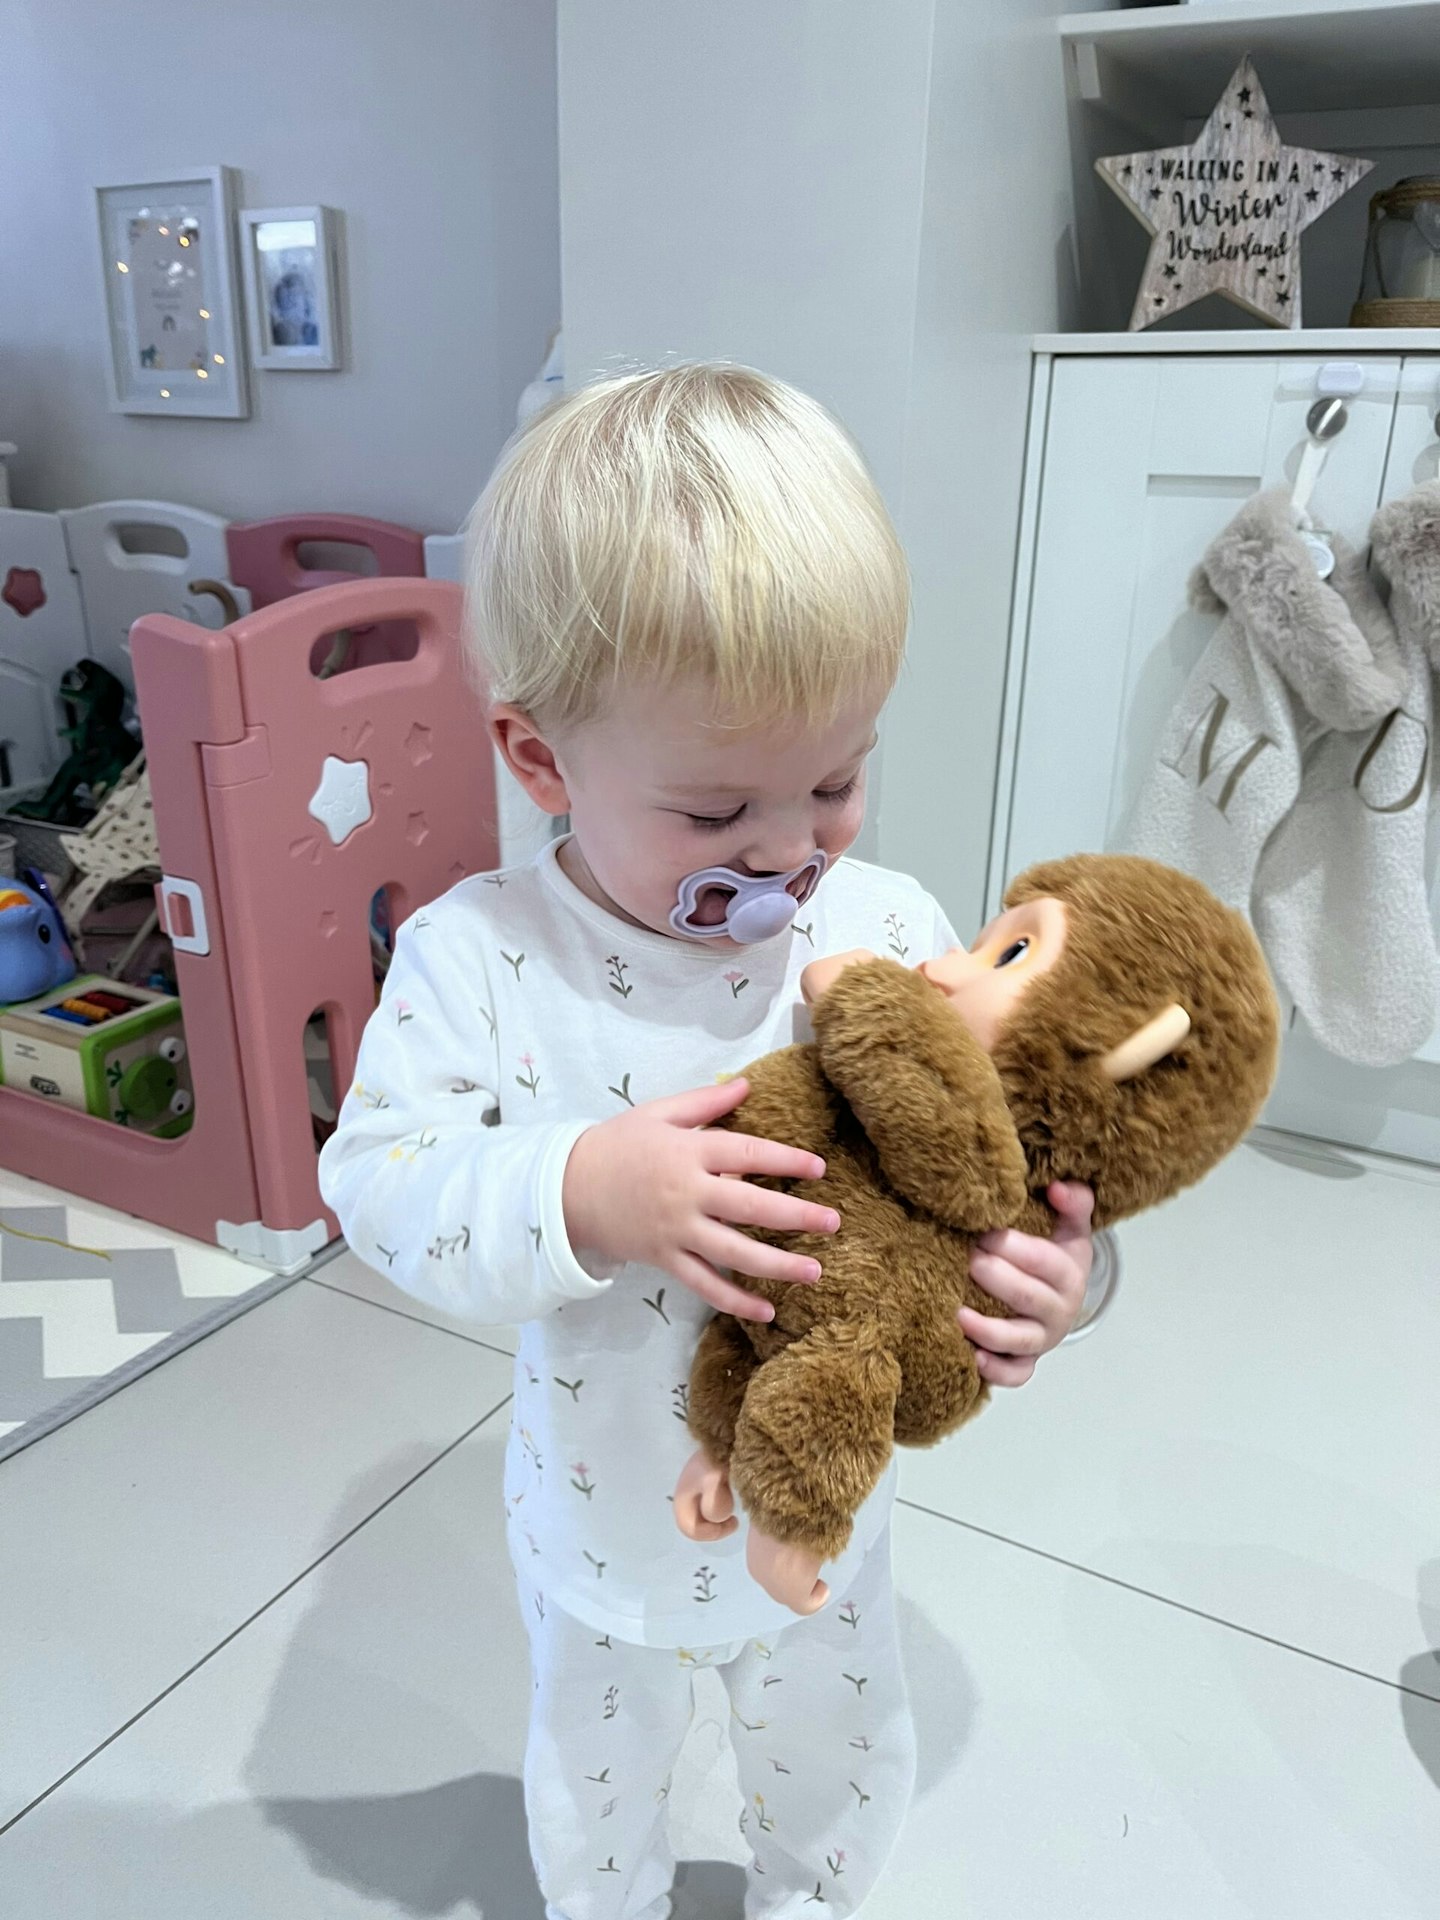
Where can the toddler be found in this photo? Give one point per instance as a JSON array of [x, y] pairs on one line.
[[687, 605]]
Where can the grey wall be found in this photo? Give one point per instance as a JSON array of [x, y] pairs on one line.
[[429, 123]]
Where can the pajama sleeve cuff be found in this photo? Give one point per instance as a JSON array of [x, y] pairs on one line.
[[577, 1279]]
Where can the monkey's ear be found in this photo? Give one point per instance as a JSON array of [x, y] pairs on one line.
[[1147, 1044]]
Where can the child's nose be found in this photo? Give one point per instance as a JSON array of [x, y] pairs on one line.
[[781, 853]]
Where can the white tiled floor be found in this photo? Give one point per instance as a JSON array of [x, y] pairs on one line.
[[1169, 1613]]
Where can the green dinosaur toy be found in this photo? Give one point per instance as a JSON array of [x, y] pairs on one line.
[[101, 746]]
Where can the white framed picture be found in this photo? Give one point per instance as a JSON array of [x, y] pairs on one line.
[[167, 250], [292, 287]]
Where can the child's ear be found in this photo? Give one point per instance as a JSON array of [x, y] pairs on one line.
[[530, 757]]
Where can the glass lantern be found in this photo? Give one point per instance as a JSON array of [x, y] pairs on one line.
[[1401, 283]]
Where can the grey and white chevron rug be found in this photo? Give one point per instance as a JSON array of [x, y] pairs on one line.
[[90, 1299]]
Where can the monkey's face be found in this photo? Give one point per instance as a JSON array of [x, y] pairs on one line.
[[986, 984], [1141, 1058]]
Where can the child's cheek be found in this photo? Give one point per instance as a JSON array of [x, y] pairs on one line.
[[844, 826]]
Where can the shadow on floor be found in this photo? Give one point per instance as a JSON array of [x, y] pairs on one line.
[[1422, 1675], [1422, 1717], [460, 1848], [456, 1848], [1310, 1156], [424, 1656]]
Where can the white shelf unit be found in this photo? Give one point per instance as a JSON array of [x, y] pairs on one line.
[[1313, 58], [1359, 77], [1341, 342]]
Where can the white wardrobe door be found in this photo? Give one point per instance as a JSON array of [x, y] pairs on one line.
[[1415, 447], [1395, 1110], [1146, 459]]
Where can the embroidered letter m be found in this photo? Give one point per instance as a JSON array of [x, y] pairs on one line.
[[1217, 760]]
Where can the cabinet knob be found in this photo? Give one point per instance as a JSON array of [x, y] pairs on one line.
[[1326, 418]]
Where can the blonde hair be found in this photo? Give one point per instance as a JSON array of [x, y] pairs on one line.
[[700, 519]]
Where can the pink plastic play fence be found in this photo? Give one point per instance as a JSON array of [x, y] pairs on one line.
[[265, 558], [283, 803]]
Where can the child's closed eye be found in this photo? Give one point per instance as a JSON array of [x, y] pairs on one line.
[[838, 794], [714, 823]]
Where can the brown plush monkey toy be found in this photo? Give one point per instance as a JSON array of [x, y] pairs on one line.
[[1116, 1026]]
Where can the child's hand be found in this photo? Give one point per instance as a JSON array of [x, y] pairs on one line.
[[654, 1185], [1043, 1281]]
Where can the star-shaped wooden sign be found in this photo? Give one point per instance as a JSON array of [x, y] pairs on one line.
[[1227, 213]]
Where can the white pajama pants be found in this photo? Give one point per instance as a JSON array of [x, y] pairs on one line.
[[823, 1742]]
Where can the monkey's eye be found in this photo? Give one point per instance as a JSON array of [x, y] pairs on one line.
[[1017, 950]]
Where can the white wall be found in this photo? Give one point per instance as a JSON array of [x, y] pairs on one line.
[[744, 182], [869, 201], [996, 268], [431, 125]]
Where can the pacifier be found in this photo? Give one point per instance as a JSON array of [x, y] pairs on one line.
[[744, 907]]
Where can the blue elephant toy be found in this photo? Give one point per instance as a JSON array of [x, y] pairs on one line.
[[34, 949]]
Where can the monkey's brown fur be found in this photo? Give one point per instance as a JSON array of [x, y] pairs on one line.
[[929, 1142]]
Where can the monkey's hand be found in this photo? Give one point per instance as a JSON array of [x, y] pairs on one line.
[[926, 1093], [822, 974], [704, 1504]]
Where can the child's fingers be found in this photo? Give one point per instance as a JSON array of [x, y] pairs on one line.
[[722, 1294], [998, 1371], [1020, 1337], [1049, 1261], [724, 1247], [1073, 1202], [1074, 1206], [747, 1206], [701, 1106], [1020, 1291], [742, 1154]]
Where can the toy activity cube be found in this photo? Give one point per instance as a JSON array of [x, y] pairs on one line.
[[115, 1051]]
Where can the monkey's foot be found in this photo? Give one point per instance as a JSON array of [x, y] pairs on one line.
[[789, 1574]]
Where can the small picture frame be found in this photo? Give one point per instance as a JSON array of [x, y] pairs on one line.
[[291, 261], [167, 252]]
